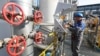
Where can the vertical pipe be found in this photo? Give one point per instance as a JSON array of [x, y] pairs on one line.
[[48, 8], [26, 27]]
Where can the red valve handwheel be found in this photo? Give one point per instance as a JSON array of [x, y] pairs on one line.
[[13, 13], [16, 46], [38, 37], [38, 17]]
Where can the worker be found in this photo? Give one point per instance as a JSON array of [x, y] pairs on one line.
[[76, 29]]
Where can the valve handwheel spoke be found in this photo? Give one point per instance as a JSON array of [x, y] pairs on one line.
[[15, 49], [10, 11], [11, 46], [13, 8], [16, 45], [7, 11], [12, 18], [12, 14]]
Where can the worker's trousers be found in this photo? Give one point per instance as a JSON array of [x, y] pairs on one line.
[[76, 43]]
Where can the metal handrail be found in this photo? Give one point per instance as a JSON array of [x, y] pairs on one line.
[[43, 53], [54, 44]]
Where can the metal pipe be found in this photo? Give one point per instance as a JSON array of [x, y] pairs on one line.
[[26, 5], [48, 9], [26, 27]]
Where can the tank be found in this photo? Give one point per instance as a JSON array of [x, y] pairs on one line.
[[26, 27], [26, 5], [48, 8]]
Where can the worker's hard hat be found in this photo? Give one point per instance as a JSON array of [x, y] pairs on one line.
[[78, 14]]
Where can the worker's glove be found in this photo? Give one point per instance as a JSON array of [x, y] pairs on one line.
[[70, 24], [66, 26]]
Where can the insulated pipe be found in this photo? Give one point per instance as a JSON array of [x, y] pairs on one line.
[[48, 8], [26, 27], [26, 5]]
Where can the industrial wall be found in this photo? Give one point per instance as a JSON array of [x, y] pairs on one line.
[[5, 29]]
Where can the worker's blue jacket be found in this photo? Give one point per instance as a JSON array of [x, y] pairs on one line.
[[77, 28], [79, 25]]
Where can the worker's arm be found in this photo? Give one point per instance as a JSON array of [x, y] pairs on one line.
[[70, 27], [77, 28]]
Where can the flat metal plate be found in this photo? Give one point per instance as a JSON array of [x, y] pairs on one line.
[[58, 26], [66, 7]]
